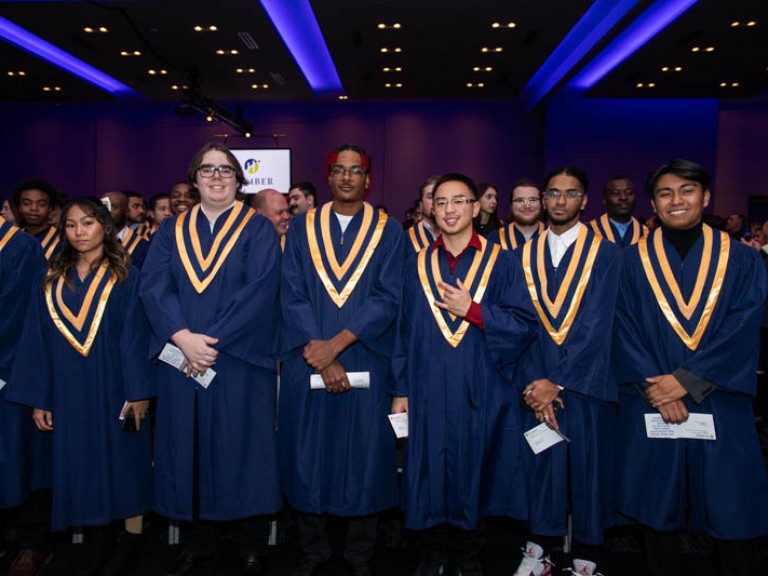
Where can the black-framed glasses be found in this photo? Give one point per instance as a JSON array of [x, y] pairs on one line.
[[456, 202], [354, 172], [208, 170], [570, 194]]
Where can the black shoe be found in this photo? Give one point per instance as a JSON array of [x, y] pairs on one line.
[[187, 565], [361, 569], [126, 555], [99, 545], [309, 567], [253, 565]]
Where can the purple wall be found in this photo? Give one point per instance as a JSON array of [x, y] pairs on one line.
[[89, 150], [605, 137]]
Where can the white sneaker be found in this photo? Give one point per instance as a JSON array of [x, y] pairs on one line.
[[533, 562], [583, 568]]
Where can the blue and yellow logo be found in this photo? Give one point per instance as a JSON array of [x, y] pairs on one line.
[[251, 166]]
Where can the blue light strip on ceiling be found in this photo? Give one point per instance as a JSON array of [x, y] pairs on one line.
[[296, 23], [657, 17], [596, 22], [34, 44]]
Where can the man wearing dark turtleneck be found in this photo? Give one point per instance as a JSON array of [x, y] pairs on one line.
[[685, 347]]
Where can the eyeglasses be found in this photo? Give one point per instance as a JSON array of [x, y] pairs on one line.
[[570, 194], [523, 201], [207, 171], [354, 172], [456, 202]]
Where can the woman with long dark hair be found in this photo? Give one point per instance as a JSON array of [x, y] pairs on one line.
[[82, 367], [487, 220]]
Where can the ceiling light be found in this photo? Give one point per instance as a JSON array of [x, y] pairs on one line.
[[399, 85], [130, 53], [296, 23], [16, 73], [751, 23], [385, 69], [343, 97], [91, 30], [25, 40], [503, 25], [387, 85], [735, 24], [709, 49], [205, 28], [734, 84], [485, 49], [384, 26]]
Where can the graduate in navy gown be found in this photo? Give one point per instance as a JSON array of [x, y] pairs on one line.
[[81, 365], [342, 283], [423, 233], [24, 451], [464, 321], [525, 202], [210, 287], [572, 277], [33, 202], [686, 343], [618, 225]]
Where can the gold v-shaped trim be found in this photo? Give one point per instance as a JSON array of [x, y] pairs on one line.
[[509, 239], [687, 308], [340, 298], [692, 341], [8, 234], [455, 338], [325, 226], [554, 308], [78, 321], [131, 240], [604, 229], [217, 255], [418, 236], [49, 242]]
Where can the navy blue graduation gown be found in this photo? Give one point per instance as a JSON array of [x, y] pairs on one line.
[[605, 228], [721, 484], [509, 236], [24, 451], [100, 473], [582, 468], [337, 451], [137, 245], [236, 414], [462, 456]]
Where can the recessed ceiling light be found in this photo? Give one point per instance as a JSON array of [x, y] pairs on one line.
[[735, 24], [385, 26], [751, 23], [671, 68], [709, 49], [343, 97], [232, 52], [503, 25], [205, 28], [387, 85], [16, 73], [153, 72], [51, 88], [91, 29], [734, 84], [130, 53], [485, 49]]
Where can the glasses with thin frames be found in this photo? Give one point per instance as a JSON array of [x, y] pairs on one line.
[[457, 202], [523, 201], [354, 172], [570, 194], [207, 171]]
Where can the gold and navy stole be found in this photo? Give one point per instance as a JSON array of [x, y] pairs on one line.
[[340, 279], [143, 230], [508, 237], [602, 227], [7, 231], [49, 242], [557, 317], [202, 269], [697, 312], [131, 239], [452, 327], [80, 329], [419, 236]]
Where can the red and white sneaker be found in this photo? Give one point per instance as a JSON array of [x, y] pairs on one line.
[[534, 563]]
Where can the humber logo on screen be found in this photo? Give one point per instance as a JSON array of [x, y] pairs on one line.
[[251, 168]]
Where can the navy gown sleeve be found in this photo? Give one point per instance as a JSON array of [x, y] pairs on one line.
[[510, 321], [134, 343], [159, 293]]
